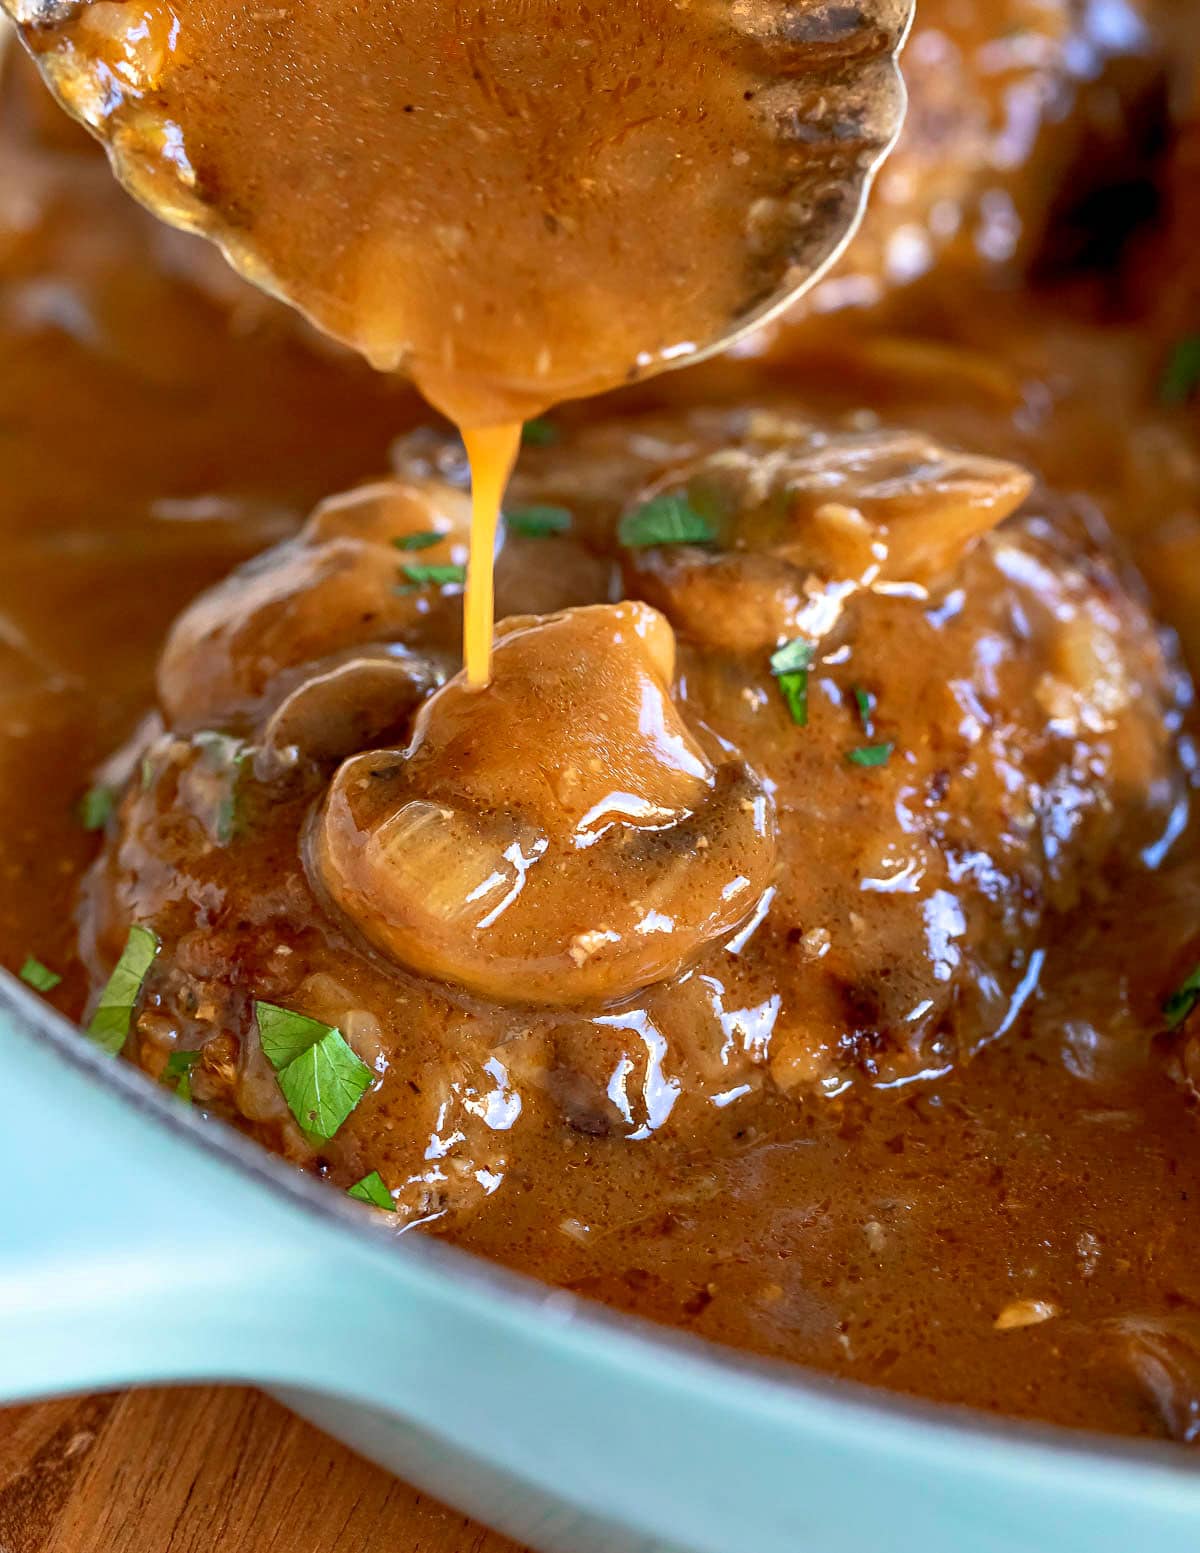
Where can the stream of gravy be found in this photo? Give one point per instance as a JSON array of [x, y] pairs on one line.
[[492, 451]]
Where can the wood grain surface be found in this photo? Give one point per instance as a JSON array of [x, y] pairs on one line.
[[200, 1470]]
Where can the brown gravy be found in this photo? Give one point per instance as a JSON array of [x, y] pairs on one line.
[[415, 154], [1019, 1233], [379, 168]]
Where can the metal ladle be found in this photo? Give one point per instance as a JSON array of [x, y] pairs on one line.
[[492, 298]]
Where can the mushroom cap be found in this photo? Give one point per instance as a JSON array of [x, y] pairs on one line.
[[561, 837], [350, 701], [339, 583], [807, 515]]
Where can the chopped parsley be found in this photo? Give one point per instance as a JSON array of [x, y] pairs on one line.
[[1181, 375], [792, 657], [324, 1084], [665, 520], [226, 757], [865, 702], [283, 1034], [38, 976], [437, 576], [537, 522], [539, 433], [420, 541], [322, 1077], [219, 749], [790, 665], [870, 755], [1183, 1000], [179, 1070], [109, 1025], [371, 1189], [96, 806]]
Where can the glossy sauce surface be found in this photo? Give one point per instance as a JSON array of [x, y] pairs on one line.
[[909, 1112]]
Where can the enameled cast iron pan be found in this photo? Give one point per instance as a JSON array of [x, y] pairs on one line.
[[141, 1243]]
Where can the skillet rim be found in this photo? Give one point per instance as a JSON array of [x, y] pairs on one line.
[[789, 1384]]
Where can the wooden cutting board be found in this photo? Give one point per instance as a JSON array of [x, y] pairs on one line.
[[204, 1470]]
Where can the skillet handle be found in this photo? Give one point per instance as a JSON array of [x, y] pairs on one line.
[[127, 1254]]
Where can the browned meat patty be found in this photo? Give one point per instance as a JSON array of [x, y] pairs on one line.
[[796, 815]]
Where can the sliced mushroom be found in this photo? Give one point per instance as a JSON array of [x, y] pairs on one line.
[[382, 563], [1163, 1352], [562, 836], [339, 583], [804, 517], [362, 697]]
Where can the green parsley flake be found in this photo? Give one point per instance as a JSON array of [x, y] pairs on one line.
[[324, 1084], [793, 657], [794, 690], [96, 806], [219, 749], [438, 576], [1183, 1000], [420, 541], [870, 755], [790, 665], [539, 433], [109, 1025], [38, 976], [665, 520], [537, 522], [321, 1076], [1181, 375], [284, 1035], [865, 702], [226, 758], [372, 1189], [179, 1069]]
